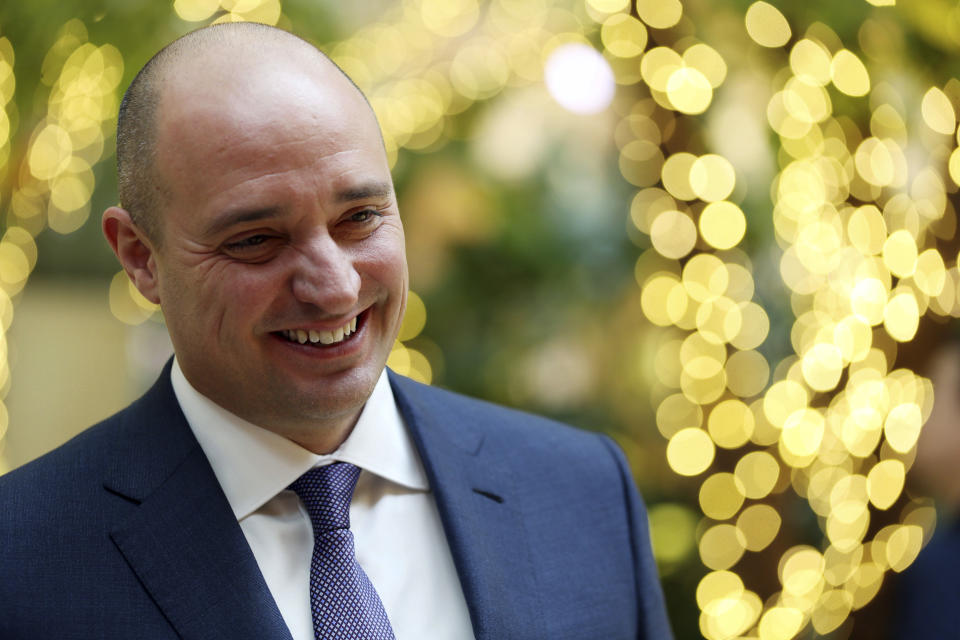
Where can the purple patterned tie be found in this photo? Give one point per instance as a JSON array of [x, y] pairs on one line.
[[343, 602]]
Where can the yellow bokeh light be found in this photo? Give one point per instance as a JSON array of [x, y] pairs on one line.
[[758, 472], [726, 618], [881, 162], [195, 10], [783, 399], [867, 230], [705, 277], [672, 528], [702, 358], [14, 267], [756, 327], [479, 70], [609, 6], [902, 427], [623, 35], [801, 569], [126, 303], [660, 14], [806, 101], [747, 373], [419, 367], [810, 61], [676, 175], [722, 224], [900, 253], [721, 496], [847, 527], [901, 317], [721, 546], [719, 320], [831, 610], [822, 366], [657, 65], [741, 286], [931, 273], [50, 152], [677, 412], [864, 584], [414, 318], [702, 380], [903, 546], [718, 585], [70, 192], [449, 18], [673, 234], [885, 483], [766, 25], [760, 524], [6, 311], [849, 74], [664, 300], [938, 112], [707, 61], [868, 299], [803, 432], [690, 452], [853, 338], [641, 162], [712, 177], [730, 424], [953, 166], [647, 204], [689, 90], [780, 623]]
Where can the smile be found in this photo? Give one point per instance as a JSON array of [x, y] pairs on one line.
[[304, 336]]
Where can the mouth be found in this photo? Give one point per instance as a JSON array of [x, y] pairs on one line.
[[320, 339]]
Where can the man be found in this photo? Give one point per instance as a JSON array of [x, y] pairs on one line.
[[259, 213]]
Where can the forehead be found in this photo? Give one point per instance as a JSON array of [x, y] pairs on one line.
[[221, 121]]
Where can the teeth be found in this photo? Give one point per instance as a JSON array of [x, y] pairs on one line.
[[323, 337]]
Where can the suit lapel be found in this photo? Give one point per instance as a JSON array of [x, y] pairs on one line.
[[182, 539], [479, 508]]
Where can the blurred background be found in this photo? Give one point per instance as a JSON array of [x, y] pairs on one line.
[[723, 232]]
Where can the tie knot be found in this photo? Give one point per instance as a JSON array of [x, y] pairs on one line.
[[326, 493]]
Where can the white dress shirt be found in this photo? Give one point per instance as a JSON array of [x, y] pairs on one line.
[[396, 526]]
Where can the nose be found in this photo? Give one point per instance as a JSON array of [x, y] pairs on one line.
[[326, 277]]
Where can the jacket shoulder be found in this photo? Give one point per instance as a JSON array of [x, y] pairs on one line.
[[496, 423], [112, 449]]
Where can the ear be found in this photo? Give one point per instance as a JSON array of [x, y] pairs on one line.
[[134, 251]]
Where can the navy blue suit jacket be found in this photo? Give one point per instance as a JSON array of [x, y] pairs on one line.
[[124, 532]]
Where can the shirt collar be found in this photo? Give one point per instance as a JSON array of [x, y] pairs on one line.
[[253, 464]]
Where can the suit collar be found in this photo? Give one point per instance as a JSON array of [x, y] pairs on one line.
[[182, 539], [479, 507]]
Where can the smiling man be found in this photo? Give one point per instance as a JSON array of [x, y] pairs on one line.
[[277, 481]]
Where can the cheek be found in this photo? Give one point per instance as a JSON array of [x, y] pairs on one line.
[[387, 257]]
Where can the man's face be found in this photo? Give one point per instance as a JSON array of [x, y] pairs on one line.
[[281, 271]]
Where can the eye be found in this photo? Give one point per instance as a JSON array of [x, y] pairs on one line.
[[247, 243], [364, 215]]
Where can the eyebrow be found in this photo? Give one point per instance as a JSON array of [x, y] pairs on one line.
[[233, 217], [350, 194], [364, 191]]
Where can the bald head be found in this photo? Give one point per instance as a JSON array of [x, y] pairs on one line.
[[203, 60]]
